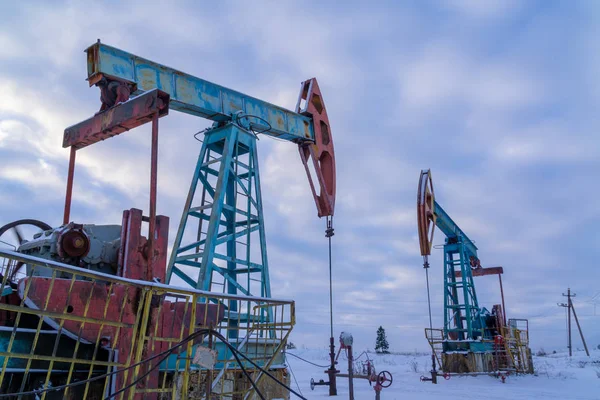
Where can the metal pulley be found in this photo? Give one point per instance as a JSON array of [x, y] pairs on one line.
[[73, 241]]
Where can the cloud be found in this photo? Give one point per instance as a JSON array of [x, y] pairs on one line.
[[491, 9], [498, 99], [444, 73]]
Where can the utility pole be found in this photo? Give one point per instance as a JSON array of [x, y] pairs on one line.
[[569, 306], [569, 318], [579, 327]]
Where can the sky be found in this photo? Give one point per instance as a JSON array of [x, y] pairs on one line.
[[499, 98]]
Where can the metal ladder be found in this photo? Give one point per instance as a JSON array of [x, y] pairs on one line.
[[435, 337]]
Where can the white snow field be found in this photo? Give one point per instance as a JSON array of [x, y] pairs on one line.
[[556, 377]]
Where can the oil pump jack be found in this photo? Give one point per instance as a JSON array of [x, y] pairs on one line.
[[220, 246], [473, 339]]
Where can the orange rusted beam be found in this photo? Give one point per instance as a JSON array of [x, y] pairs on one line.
[[483, 271], [118, 119]]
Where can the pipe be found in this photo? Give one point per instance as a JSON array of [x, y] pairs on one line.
[[502, 294], [350, 373], [153, 189], [70, 175]]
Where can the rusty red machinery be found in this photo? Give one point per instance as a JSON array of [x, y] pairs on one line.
[[130, 99], [139, 257]]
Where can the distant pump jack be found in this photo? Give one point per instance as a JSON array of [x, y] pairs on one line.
[[490, 341]]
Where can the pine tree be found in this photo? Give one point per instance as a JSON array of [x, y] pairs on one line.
[[381, 344]]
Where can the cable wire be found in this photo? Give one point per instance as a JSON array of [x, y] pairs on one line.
[[234, 350], [236, 353], [165, 354], [79, 383], [199, 132], [216, 334], [295, 380], [265, 371], [306, 361], [247, 117]]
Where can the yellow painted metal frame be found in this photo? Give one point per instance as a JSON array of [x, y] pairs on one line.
[[261, 340]]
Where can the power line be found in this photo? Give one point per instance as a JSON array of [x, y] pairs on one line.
[[295, 380], [306, 361], [595, 300]]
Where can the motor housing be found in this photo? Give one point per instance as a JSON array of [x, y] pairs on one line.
[[94, 247]]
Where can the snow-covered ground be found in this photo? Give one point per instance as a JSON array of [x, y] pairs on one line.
[[557, 377]]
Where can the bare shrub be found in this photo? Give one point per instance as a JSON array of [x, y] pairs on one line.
[[541, 352], [414, 365]]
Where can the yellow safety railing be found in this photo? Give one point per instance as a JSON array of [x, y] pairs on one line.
[[435, 337], [516, 340], [87, 335]]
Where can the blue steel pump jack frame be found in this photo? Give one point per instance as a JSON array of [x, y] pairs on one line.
[[228, 212], [463, 319]]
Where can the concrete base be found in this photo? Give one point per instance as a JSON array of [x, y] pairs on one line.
[[468, 362], [471, 362]]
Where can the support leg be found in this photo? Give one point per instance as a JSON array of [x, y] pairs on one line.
[[71, 173], [153, 184]]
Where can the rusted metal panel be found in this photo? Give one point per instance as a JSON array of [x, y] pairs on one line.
[[135, 265], [483, 271], [84, 299], [118, 119], [138, 257], [175, 318], [159, 248]]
